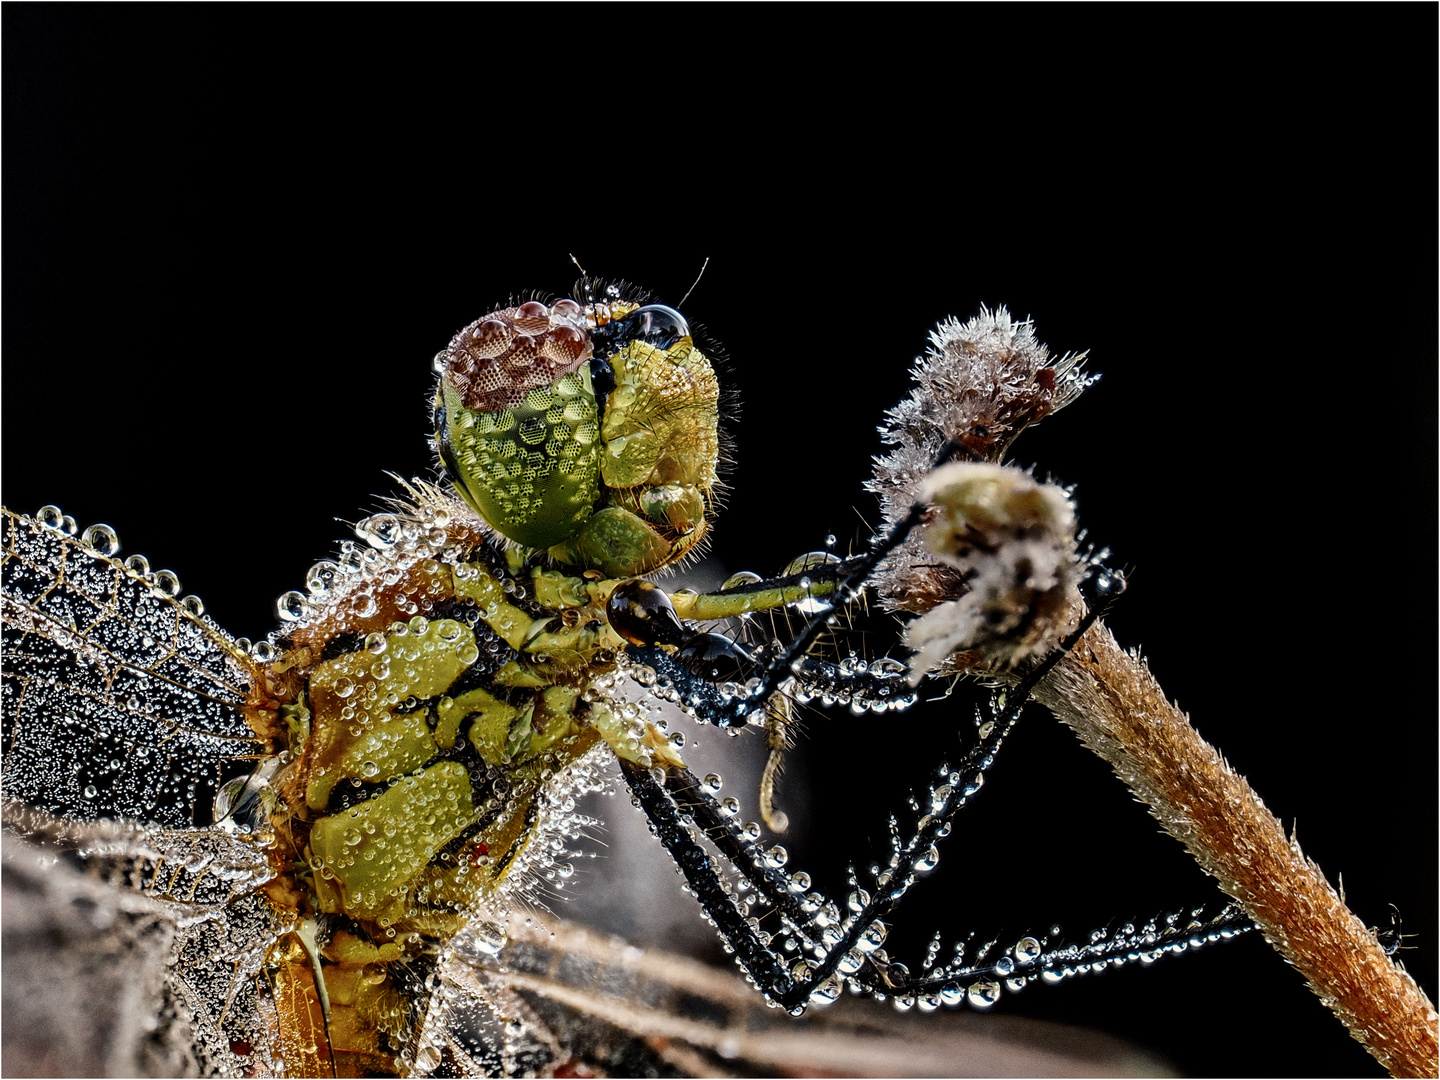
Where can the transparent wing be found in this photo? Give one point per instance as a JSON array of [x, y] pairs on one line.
[[155, 937], [122, 718], [119, 700], [566, 999]]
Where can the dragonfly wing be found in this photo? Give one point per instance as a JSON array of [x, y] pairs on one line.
[[119, 701], [122, 714], [154, 937], [579, 1001], [84, 975]]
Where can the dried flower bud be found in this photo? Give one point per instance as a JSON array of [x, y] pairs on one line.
[[979, 385], [1011, 541]]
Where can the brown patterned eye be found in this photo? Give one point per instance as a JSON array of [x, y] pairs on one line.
[[490, 338], [532, 318], [522, 351], [498, 359], [563, 344]]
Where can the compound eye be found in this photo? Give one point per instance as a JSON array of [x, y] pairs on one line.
[[715, 658], [642, 614], [658, 325]]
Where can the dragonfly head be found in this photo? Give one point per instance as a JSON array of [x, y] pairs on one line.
[[587, 430]]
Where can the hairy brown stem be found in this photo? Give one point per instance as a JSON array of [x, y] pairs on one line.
[[1119, 711]]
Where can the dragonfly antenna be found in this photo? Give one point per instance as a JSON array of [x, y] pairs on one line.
[[695, 282]]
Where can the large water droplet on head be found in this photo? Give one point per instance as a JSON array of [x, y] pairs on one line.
[[658, 325]]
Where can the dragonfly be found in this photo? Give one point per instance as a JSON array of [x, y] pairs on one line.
[[270, 809]]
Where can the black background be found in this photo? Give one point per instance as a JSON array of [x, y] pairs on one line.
[[233, 241]]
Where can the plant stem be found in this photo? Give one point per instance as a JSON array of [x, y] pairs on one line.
[[1120, 712]]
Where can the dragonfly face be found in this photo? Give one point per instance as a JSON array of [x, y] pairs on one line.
[[590, 431]]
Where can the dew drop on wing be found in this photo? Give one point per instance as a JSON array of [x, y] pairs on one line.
[[147, 688]]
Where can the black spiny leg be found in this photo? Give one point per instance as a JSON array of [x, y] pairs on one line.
[[695, 863], [842, 947]]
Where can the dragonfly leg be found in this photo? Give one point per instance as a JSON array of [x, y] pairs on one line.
[[822, 945]]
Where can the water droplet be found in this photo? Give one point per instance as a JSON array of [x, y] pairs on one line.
[[101, 539], [292, 606], [873, 937], [90, 791], [489, 938], [379, 530], [983, 994], [809, 561], [320, 578], [826, 993], [1027, 949], [743, 577]]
